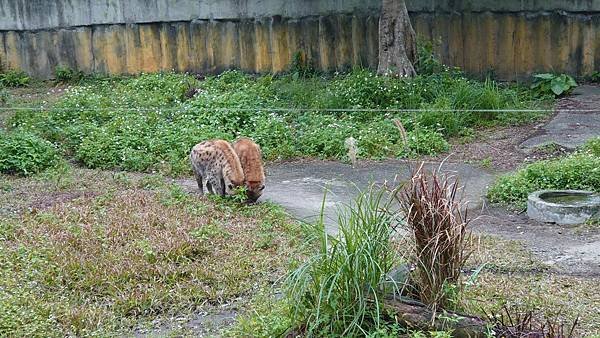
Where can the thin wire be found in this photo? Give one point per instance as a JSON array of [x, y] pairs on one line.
[[385, 110]]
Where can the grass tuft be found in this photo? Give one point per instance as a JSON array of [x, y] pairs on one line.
[[337, 290], [435, 218]]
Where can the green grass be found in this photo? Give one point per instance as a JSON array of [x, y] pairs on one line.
[[97, 253], [580, 170], [148, 122]]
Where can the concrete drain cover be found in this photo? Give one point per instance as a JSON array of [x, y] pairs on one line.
[[564, 207]]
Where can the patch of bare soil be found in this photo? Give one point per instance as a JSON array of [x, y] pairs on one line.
[[567, 250], [497, 149], [51, 199]]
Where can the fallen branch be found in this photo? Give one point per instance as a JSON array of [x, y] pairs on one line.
[[416, 316]]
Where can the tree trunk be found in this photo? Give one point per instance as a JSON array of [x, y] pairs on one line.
[[397, 41]]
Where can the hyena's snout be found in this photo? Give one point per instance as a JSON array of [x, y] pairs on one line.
[[254, 192]]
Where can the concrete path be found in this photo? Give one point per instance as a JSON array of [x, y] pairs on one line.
[[299, 186], [571, 129]]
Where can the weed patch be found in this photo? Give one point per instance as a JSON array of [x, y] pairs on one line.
[[64, 74], [557, 297], [149, 123], [14, 78]]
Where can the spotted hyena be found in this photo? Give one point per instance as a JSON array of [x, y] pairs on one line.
[[251, 158], [215, 163]]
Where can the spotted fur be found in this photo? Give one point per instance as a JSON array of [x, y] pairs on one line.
[[251, 159], [215, 163]]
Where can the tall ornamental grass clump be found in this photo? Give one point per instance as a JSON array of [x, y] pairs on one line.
[[437, 223], [337, 290]]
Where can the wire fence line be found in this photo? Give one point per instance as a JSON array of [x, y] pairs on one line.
[[333, 110]]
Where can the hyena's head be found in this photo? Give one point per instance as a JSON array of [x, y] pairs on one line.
[[254, 190]]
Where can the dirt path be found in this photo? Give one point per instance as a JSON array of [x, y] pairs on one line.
[[571, 250]]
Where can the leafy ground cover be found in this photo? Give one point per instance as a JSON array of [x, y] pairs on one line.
[[580, 170], [151, 121], [86, 252]]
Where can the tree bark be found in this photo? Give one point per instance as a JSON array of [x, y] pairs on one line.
[[397, 40]]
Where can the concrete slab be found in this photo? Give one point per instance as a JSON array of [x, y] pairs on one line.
[[300, 186], [571, 129]]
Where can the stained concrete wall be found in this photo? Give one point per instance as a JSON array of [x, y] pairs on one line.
[[512, 38]]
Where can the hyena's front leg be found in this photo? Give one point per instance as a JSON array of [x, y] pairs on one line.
[[219, 186], [222, 181], [197, 173]]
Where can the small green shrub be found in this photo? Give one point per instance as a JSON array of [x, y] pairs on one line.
[[4, 96], [427, 63], [14, 78], [300, 66], [64, 74], [595, 77], [578, 171], [556, 84], [23, 153]]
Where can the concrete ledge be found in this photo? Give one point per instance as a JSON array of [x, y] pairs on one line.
[[585, 6], [49, 14]]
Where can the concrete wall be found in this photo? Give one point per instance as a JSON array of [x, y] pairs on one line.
[[512, 38]]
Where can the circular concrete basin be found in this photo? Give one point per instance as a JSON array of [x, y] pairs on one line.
[[564, 207]]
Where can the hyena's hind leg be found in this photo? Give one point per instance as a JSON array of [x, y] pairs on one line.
[[198, 175], [200, 185], [209, 187], [215, 185]]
